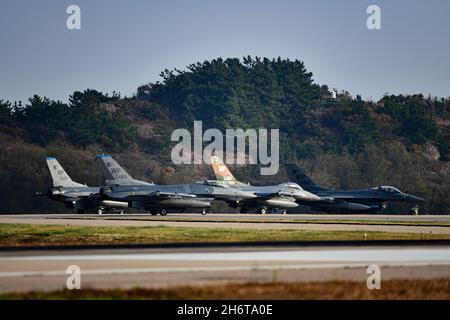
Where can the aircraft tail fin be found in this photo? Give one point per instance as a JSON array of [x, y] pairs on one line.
[[59, 175], [297, 175], [222, 172], [114, 173]]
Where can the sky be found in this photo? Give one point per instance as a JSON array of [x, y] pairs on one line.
[[123, 44]]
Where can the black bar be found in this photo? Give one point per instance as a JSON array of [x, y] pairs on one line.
[[227, 309]]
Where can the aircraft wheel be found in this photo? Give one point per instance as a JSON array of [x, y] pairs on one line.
[[203, 212], [99, 211], [263, 210], [121, 211], [163, 212]]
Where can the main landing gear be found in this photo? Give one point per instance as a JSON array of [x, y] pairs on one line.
[[160, 211], [264, 210]]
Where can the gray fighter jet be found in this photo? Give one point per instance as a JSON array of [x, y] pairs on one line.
[[268, 198], [370, 200], [76, 195], [162, 198]]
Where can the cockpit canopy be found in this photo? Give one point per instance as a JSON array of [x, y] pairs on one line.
[[292, 185], [388, 189]]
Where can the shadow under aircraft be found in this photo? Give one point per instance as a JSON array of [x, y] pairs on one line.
[[371, 200]]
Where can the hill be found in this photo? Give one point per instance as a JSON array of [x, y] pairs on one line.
[[344, 142]]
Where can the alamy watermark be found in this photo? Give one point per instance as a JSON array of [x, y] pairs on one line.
[[73, 21], [189, 149], [373, 22], [374, 280], [74, 279]]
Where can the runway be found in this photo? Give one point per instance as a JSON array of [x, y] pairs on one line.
[[239, 216], [166, 266], [155, 268], [385, 223]]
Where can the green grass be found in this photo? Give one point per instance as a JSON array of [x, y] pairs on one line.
[[41, 235], [287, 221]]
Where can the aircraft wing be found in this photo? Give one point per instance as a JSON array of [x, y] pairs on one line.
[[275, 199], [270, 195], [170, 195]]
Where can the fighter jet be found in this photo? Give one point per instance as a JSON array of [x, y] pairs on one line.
[[268, 198], [370, 200], [76, 195], [159, 199]]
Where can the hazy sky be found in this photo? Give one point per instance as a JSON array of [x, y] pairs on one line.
[[123, 44]]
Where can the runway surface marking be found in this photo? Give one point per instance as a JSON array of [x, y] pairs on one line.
[[272, 267], [124, 268], [368, 255], [303, 259]]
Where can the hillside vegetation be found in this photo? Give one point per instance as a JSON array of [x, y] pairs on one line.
[[347, 142]]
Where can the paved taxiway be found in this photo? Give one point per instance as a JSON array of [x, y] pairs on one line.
[[410, 224], [129, 267], [152, 268]]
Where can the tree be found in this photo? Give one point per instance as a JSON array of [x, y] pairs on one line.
[[5, 112]]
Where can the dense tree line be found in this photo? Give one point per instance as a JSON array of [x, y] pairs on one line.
[[344, 142], [233, 93], [263, 93], [82, 122]]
